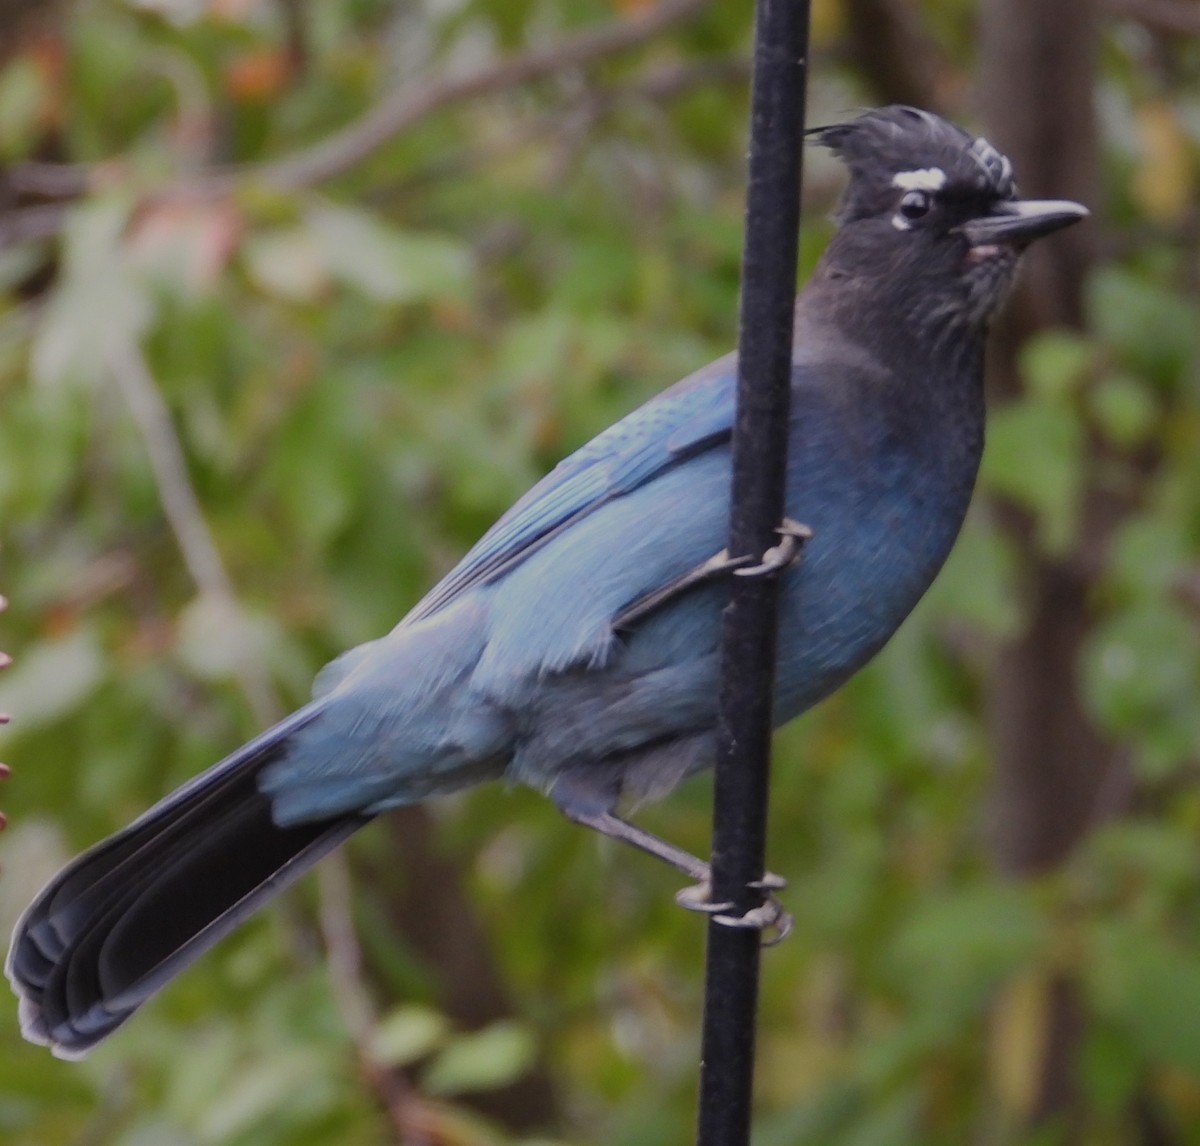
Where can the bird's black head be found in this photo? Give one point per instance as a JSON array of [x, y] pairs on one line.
[[932, 216]]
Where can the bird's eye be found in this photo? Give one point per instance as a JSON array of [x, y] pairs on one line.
[[915, 204]]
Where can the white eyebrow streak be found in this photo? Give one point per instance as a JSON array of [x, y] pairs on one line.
[[926, 179]]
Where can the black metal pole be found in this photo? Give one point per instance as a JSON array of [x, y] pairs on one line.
[[748, 625]]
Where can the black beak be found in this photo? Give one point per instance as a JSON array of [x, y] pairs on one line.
[[1018, 222]]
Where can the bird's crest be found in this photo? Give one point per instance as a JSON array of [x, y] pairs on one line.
[[905, 147]]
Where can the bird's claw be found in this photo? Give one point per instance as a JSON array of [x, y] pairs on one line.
[[770, 915], [720, 564], [698, 897], [769, 882], [792, 536]]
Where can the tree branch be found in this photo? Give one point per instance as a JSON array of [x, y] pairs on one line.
[[409, 1113], [1057, 774], [339, 152], [410, 104], [182, 507], [587, 108], [1172, 16], [203, 560], [28, 223], [179, 501]]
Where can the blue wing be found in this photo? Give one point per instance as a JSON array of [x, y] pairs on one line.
[[693, 415]]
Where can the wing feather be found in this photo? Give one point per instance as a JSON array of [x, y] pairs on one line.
[[690, 417]]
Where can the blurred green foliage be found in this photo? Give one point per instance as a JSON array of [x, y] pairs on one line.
[[362, 375]]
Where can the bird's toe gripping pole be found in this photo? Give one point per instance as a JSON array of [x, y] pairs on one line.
[[792, 536], [769, 916]]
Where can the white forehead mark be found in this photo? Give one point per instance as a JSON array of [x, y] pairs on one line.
[[926, 179]]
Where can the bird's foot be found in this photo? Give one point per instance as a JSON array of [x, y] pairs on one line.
[[792, 536], [698, 897], [769, 916]]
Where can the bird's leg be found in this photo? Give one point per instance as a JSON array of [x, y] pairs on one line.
[[716, 566], [618, 829], [770, 915], [792, 535]]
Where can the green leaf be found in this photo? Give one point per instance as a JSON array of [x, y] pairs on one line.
[[1124, 409], [22, 100], [154, 1131], [958, 945], [387, 264], [1151, 325], [217, 638], [979, 584], [1143, 854], [894, 1122], [257, 1091], [1035, 455], [1151, 554], [287, 262], [100, 304], [52, 677], [1141, 675], [483, 1060], [1109, 1067], [1150, 987], [1055, 363], [407, 1034]]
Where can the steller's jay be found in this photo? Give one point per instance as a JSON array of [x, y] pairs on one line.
[[574, 648]]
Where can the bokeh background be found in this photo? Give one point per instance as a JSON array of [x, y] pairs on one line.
[[296, 296]]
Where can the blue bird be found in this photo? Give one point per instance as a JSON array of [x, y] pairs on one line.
[[574, 648]]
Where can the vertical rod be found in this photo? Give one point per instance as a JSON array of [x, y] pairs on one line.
[[757, 507]]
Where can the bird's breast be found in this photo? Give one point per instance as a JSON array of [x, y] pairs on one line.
[[885, 505]]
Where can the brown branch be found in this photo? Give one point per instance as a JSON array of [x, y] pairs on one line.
[[410, 104], [27, 223], [178, 498], [391, 117], [182, 508], [419, 889], [48, 180], [409, 1113], [21, 21], [203, 560], [1172, 16], [1057, 773], [588, 108]]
